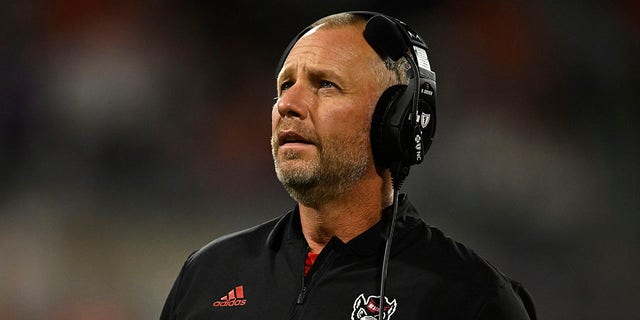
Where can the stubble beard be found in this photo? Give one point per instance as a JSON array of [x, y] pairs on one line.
[[334, 169]]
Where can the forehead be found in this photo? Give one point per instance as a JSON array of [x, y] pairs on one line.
[[336, 47]]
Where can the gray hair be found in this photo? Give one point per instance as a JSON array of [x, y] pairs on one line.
[[395, 72]]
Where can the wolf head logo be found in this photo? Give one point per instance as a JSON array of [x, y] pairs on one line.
[[368, 308]]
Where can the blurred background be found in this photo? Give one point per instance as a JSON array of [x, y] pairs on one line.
[[134, 132]]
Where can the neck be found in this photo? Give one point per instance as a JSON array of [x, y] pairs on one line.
[[347, 216]]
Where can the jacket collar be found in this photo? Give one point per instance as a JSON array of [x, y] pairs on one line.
[[288, 230]]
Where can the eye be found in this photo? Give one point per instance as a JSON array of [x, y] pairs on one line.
[[285, 85], [327, 84]]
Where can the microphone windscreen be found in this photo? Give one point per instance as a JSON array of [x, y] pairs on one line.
[[385, 37]]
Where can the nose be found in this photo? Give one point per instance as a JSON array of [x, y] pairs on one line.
[[294, 102]]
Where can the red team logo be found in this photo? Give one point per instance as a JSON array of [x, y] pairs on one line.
[[234, 298]]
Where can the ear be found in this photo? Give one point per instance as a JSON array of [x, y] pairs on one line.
[[392, 307], [359, 301]]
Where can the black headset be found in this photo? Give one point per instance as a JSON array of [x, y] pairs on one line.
[[404, 120]]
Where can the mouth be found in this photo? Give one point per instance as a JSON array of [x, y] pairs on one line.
[[290, 137]]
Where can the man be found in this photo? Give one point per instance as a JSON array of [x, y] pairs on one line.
[[323, 259]]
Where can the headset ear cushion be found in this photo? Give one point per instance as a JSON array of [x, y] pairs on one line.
[[384, 138]]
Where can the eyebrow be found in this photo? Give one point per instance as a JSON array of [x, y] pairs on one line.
[[317, 74]]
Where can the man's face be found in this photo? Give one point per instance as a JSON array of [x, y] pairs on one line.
[[321, 121]]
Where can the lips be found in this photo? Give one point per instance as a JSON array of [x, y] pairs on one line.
[[287, 136]]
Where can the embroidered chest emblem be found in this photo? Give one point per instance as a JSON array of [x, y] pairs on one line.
[[368, 308], [235, 298]]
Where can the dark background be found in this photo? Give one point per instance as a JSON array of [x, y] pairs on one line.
[[132, 133]]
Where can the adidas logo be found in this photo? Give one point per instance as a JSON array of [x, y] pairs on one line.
[[234, 298]]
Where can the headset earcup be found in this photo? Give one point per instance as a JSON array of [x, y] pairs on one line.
[[383, 136]]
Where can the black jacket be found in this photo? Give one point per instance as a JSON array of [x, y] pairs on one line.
[[258, 273]]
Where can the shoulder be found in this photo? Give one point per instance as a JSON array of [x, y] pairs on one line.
[[246, 242], [469, 277], [217, 266], [454, 260], [441, 255], [447, 261]]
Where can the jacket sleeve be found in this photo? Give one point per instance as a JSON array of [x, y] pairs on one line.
[[168, 311], [513, 303]]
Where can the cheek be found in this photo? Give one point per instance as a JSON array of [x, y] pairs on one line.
[[275, 118], [346, 123]]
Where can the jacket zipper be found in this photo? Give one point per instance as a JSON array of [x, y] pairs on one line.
[[303, 288], [318, 269], [293, 314], [302, 295], [308, 280]]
